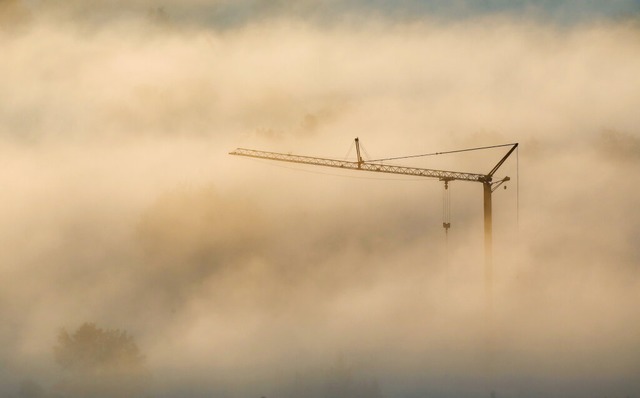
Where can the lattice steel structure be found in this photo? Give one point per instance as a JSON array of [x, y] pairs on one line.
[[486, 179], [361, 165]]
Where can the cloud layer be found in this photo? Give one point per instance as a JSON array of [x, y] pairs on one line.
[[236, 277]]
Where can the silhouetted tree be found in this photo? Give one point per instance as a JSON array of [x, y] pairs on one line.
[[99, 363], [30, 389]]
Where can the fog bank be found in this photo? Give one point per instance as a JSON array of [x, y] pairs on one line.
[[237, 277]]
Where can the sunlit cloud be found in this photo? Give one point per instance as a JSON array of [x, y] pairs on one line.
[[236, 277]]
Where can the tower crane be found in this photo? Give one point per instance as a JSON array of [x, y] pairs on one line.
[[488, 183]]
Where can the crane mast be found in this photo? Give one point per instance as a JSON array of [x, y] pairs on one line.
[[489, 186]]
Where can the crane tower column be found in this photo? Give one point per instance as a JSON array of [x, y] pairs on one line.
[[488, 247]]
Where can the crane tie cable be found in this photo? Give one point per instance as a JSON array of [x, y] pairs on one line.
[[442, 153]]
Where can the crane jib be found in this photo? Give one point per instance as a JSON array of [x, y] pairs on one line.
[[364, 166]]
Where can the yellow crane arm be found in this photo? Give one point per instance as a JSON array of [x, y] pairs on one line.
[[361, 165]]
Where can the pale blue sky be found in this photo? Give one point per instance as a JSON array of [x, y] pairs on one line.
[[560, 12], [240, 12]]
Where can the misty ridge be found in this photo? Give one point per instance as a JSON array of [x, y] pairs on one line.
[[140, 259]]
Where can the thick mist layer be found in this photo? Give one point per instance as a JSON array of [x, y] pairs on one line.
[[239, 277]]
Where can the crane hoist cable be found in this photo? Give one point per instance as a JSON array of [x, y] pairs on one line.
[[446, 207], [446, 217]]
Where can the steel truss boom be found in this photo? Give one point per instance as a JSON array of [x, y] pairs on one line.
[[361, 165]]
